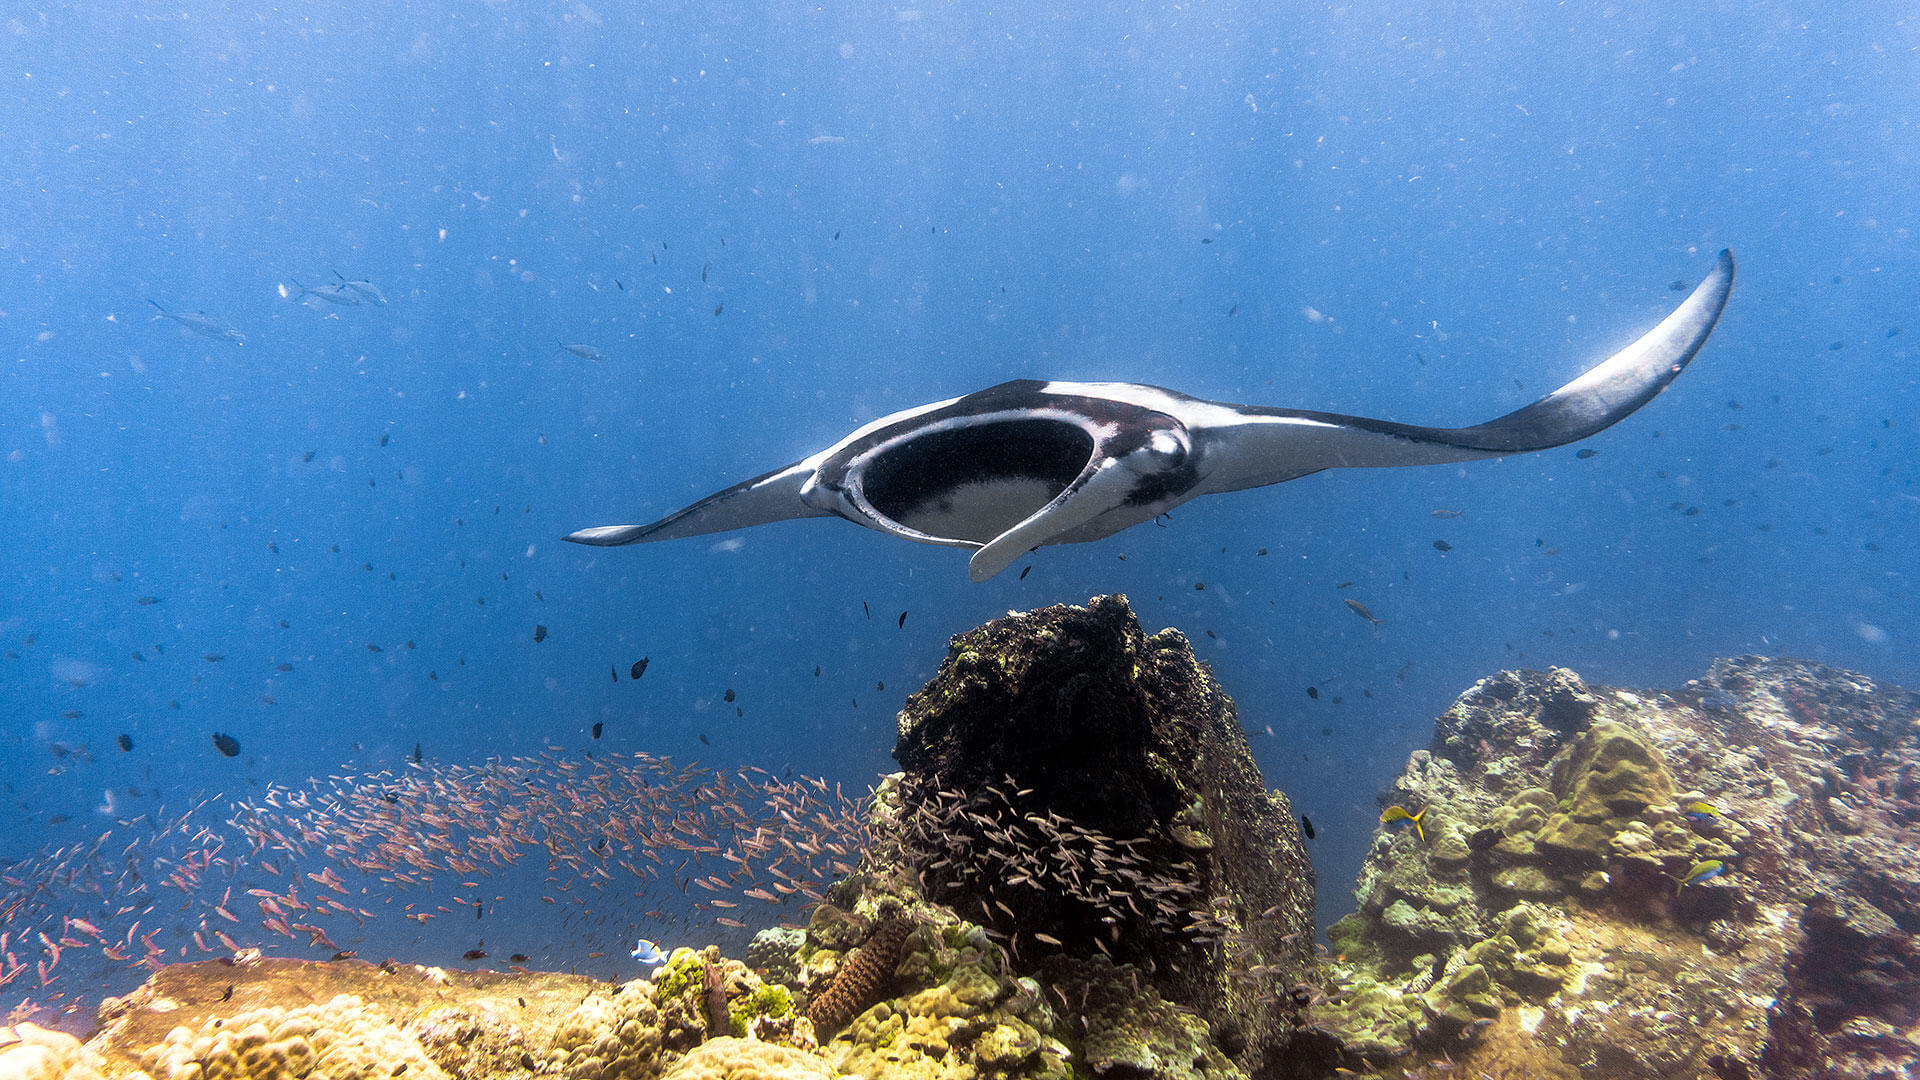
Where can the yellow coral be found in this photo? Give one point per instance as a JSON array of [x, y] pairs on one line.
[[609, 1037], [341, 1039], [745, 1059], [31, 1052]]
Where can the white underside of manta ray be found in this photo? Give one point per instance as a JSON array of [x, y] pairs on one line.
[[1009, 468]]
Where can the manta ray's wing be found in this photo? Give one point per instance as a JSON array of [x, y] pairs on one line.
[[773, 496], [1258, 446]]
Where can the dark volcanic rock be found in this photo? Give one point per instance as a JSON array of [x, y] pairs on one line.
[[1070, 721]]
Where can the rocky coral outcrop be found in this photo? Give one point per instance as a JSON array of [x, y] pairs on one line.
[[1084, 789], [1622, 884]]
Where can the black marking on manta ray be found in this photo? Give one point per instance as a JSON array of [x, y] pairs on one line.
[[1027, 463]]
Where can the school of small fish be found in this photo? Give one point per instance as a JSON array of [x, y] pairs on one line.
[[286, 869]]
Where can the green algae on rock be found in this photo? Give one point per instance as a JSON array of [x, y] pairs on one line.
[[1577, 952]]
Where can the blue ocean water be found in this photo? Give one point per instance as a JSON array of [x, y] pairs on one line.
[[775, 223]]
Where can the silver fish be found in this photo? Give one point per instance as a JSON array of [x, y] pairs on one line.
[[585, 352], [330, 294], [365, 290], [203, 324]]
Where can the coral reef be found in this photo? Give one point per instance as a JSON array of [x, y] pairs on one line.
[[31, 1052], [1079, 874], [1544, 923], [1084, 789], [858, 983], [729, 1058]]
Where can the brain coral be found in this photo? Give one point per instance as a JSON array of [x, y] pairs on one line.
[[745, 1059], [31, 1052], [340, 1040]]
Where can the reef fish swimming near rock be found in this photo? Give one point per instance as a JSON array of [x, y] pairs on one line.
[[1400, 813], [1027, 463]]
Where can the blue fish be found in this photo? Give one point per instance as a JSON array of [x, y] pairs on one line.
[[648, 953]]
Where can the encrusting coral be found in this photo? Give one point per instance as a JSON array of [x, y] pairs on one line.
[[729, 1058], [1629, 884], [340, 1040], [31, 1052]]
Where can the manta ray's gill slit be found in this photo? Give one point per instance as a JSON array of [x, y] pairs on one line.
[[972, 481]]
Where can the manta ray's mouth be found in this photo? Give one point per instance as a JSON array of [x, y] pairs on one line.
[[973, 481]]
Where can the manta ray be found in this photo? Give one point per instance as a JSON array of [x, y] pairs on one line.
[[1007, 469]]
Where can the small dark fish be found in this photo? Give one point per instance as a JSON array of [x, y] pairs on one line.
[[124, 742], [596, 730], [1442, 545], [416, 753], [1893, 332], [1199, 586], [816, 671], [728, 696], [214, 657], [136, 655], [474, 954], [227, 994], [738, 711], [384, 437], [717, 308], [1837, 346], [1306, 825], [1587, 454], [308, 456], [1234, 310], [703, 739], [1344, 585], [371, 647], [539, 633], [1360, 609], [1025, 572], [1313, 692], [836, 234], [880, 685], [283, 624], [58, 819], [615, 670], [72, 714], [517, 958], [226, 744], [479, 910], [283, 667], [1482, 839], [148, 601], [639, 668], [865, 608], [903, 620], [1680, 286], [344, 954], [703, 271], [1260, 554], [1448, 513]]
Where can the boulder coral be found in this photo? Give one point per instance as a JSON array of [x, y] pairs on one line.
[[31, 1052]]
